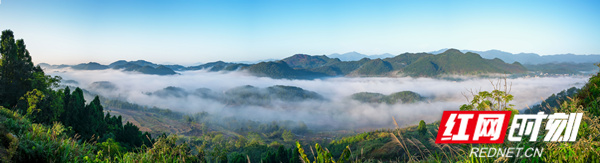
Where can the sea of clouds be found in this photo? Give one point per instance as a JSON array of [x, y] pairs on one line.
[[338, 111]]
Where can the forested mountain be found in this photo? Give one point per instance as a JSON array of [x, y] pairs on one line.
[[279, 70], [434, 64], [242, 95], [453, 61], [394, 98], [250, 95], [532, 58], [140, 66], [341, 68], [218, 66], [302, 66], [307, 61], [412, 64], [90, 66], [564, 68], [138, 62]]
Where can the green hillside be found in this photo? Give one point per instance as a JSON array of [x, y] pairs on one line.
[[341, 68], [302, 66], [453, 61], [280, 69], [405, 59], [89, 66], [250, 95], [376, 67], [160, 70], [140, 66], [307, 61]]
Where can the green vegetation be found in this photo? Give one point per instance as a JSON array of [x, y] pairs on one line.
[[244, 95], [422, 128], [249, 95], [453, 61], [33, 114], [160, 70], [376, 67], [341, 68], [218, 66], [394, 98], [412, 64], [280, 70], [400, 61], [302, 66], [143, 67], [307, 62], [140, 66], [90, 66]]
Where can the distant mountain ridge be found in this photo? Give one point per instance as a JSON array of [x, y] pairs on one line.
[[303, 66], [355, 56], [532, 58], [452, 61], [140, 66]]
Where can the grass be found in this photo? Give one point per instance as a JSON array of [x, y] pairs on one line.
[[31, 142]]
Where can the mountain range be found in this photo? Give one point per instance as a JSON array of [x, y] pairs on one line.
[[355, 56], [523, 58], [532, 58], [434, 64]]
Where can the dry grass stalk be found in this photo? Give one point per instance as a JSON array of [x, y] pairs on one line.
[[413, 143]]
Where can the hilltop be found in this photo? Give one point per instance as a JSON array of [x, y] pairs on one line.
[[453, 61]]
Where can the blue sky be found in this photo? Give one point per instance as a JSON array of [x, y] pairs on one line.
[[185, 32]]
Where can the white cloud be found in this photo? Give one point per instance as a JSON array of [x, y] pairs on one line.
[[337, 111]]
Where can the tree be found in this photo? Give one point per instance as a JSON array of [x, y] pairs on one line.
[[30, 101], [287, 136], [111, 147], [16, 69], [238, 158], [294, 155], [422, 127], [282, 154], [95, 120], [50, 108], [496, 100], [73, 115], [130, 135]]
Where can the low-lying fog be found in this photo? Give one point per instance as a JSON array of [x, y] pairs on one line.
[[337, 111]]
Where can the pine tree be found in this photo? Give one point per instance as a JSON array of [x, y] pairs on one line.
[[16, 70], [422, 128]]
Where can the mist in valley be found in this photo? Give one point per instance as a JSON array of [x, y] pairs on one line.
[[325, 104]]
